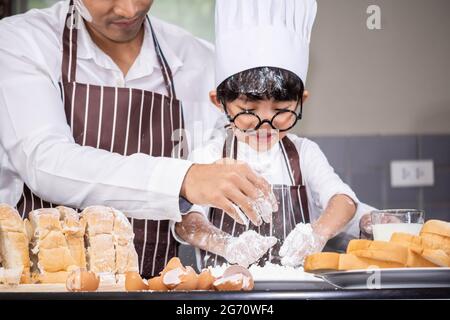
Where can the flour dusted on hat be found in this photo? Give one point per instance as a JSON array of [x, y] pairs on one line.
[[258, 33]]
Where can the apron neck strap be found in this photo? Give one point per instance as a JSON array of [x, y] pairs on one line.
[[70, 36], [165, 69], [230, 145], [290, 155], [292, 159], [69, 61]]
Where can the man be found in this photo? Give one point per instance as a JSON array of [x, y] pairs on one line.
[[93, 97]]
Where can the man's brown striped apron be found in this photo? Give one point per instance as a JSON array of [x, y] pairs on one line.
[[124, 121], [292, 203]]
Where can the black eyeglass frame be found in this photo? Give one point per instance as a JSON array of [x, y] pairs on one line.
[[270, 122]]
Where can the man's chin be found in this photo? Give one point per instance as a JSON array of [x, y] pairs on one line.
[[122, 37]]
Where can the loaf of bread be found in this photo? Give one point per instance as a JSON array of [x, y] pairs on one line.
[[73, 229], [14, 242], [352, 262], [50, 253], [430, 249], [379, 250], [423, 252], [99, 239], [321, 261], [109, 236], [414, 243], [126, 255]]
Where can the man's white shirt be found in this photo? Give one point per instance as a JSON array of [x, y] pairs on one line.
[[36, 144]]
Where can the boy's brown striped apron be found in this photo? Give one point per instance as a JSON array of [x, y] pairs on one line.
[[125, 121], [292, 202]]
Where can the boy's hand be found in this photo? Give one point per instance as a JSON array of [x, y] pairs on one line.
[[365, 225], [301, 242], [248, 248], [231, 186]]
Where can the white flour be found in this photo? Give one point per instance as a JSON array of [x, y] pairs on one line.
[[272, 272]]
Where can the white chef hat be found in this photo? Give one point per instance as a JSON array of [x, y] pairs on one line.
[[263, 33]]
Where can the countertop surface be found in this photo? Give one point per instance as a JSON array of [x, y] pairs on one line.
[[263, 291]]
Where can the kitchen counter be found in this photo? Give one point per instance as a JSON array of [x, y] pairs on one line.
[[263, 291]]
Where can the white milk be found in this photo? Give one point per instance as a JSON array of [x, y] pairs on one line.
[[383, 232]]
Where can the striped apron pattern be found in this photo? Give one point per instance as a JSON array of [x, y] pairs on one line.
[[292, 202], [124, 121]]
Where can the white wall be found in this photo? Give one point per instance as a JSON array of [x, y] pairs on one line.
[[390, 81]]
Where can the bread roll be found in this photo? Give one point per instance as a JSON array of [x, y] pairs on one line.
[[441, 228], [437, 257], [435, 242], [14, 242], [322, 261]]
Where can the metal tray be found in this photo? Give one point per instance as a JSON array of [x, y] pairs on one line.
[[389, 278]]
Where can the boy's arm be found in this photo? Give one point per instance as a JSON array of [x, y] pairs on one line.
[[329, 192], [338, 213], [244, 250]]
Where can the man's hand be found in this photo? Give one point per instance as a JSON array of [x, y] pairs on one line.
[[248, 248], [231, 186], [301, 242]]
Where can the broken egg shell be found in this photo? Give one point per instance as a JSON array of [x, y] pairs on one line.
[[134, 282], [181, 279], [173, 263], [222, 285], [156, 284], [232, 270], [82, 280], [205, 280], [189, 280]]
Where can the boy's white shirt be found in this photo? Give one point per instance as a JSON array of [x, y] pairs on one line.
[[321, 181]]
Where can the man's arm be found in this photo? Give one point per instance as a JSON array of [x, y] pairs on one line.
[[39, 143]]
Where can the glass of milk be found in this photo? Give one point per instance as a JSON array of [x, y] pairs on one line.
[[386, 222]]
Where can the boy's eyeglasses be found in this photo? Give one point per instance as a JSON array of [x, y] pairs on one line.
[[283, 120]]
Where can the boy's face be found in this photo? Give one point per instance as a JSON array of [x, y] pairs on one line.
[[282, 113]]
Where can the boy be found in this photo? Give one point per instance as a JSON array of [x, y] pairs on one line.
[[262, 52]]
